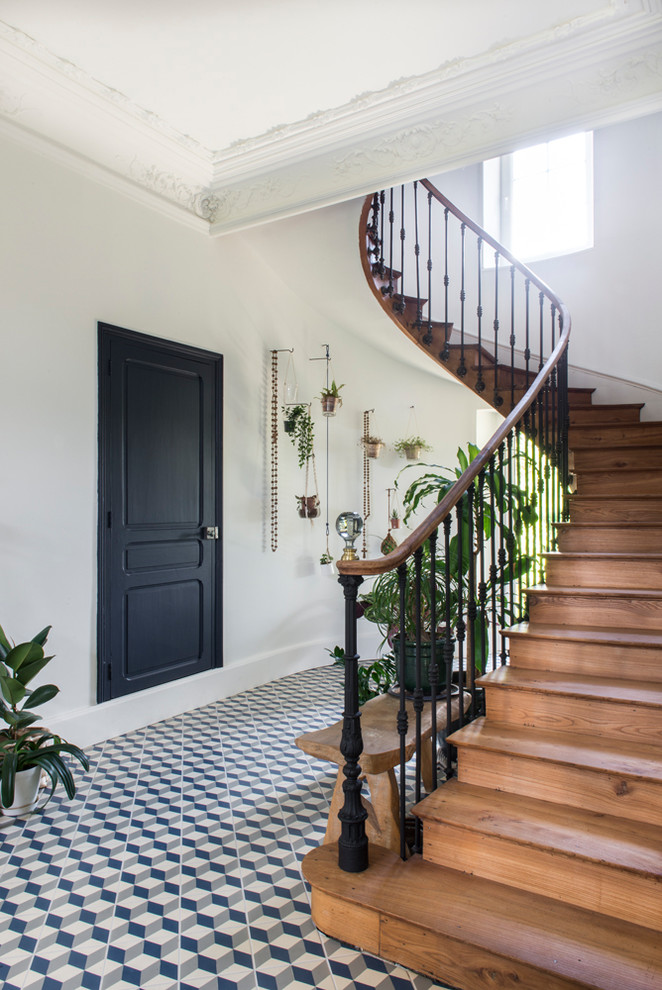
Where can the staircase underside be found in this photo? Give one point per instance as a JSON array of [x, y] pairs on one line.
[[542, 861]]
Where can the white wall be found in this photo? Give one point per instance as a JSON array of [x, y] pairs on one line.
[[73, 253], [610, 290]]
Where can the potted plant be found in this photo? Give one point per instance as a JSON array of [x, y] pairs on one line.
[[375, 677], [395, 519], [299, 426], [372, 446], [27, 749], [382, 602], [309, 506], [330, 398], [411, 447]]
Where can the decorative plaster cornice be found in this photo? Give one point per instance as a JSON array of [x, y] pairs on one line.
[[587, 72]]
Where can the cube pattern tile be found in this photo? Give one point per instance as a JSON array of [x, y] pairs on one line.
[[178, 863]]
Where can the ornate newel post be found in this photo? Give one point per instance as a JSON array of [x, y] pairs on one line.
[[353, 843]]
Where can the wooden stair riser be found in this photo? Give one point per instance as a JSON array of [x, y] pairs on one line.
[[616, 435], [588, 716], [604, 887], [580, 787], [580, 397], [604, 414], [619, 508], [647, 481], [628, 538], [603, 572], [590, 659], [636, 458], [600, 609]]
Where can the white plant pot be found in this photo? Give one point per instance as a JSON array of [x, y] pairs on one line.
[[26, 790]]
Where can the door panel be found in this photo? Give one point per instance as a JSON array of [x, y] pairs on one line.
[[159, 578]]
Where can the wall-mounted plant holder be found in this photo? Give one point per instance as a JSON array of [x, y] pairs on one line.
[[412, 444]]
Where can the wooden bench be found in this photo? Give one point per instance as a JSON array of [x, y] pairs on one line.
[[381, 754]]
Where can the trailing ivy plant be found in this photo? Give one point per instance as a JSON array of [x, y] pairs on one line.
[[299, 427]]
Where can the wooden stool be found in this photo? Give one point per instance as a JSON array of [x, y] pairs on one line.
[[381, 754]]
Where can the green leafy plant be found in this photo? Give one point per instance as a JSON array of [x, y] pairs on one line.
[[331, 391], [502, 500], [375, 677], [408, 443], [23, 744], [300, 429], [326, 558]]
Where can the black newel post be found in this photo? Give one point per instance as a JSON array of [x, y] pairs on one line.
[[353, 843]]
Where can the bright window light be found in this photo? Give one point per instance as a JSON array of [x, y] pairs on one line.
[[539, 201]]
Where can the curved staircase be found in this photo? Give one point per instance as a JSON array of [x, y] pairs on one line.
[[541, 864]]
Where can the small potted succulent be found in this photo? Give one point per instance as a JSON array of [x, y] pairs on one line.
[[330, 398], [27, 750], [395, 519], [411, 447], [372, 446], [326, 558]]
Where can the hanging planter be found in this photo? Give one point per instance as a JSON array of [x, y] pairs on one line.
[[372, 446], [299, 426], [395, 520], [411, 447], [309, 506], [330, 399]]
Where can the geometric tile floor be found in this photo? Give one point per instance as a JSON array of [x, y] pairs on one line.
[[177, 864]]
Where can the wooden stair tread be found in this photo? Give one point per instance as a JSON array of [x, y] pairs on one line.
[[625, 758], [575, 685], [569, 944], [617, 405], [572, 831], [553, 591], [586, 634]]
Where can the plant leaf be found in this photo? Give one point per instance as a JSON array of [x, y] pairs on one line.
[[5, 645], [32, 667], [12, 689], [19, 654], [42, 636], [42, 694], [9, 766]]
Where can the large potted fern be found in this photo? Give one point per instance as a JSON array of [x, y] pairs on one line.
[[28, 750]]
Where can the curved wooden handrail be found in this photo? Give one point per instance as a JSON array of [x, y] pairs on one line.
[[380, 565]]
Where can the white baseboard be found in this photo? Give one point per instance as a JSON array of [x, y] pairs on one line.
[[92, 725]]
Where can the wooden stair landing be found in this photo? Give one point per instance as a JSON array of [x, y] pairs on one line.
[[479, 934]]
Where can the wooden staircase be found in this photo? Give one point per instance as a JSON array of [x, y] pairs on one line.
[[542, 860]]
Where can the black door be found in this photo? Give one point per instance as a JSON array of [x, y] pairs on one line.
[[159, 511]]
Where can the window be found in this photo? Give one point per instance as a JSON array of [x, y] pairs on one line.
[[539, 201]]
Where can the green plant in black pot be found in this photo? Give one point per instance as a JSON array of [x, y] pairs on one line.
[[502, 500], [300, 429], [26, 749]]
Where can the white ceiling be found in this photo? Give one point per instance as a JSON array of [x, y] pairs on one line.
[[237, 111]]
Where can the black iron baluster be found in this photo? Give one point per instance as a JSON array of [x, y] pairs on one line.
[[445, 354], [480, 384], [511, 539], [529, 531], [399, 301], [417, 846], [448, 641], [403, 717], [471, 603], [527, 327], [502, 555], [513, 339], [387, 290], [565, 419], [498, 398], [462, 368], [482, 584], [418, 322], [494, 572], [517, 538], [353, 843], [460, 627], [433, 669], [372, 230], [427, 339]]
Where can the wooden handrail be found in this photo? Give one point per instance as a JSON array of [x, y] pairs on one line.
[[389, 562]]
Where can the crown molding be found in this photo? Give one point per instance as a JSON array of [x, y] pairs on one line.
[[591, 71]]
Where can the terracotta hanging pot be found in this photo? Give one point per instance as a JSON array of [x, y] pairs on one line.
[[395, 522], [309, 506]]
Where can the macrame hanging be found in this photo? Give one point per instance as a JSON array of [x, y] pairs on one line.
[[389, 542], [309, 505]]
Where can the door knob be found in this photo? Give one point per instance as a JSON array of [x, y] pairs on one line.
[[210, 532]]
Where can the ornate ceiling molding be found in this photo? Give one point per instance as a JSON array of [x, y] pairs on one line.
[[589, 72]]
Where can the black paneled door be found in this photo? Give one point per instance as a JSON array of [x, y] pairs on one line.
[[159, 511]]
